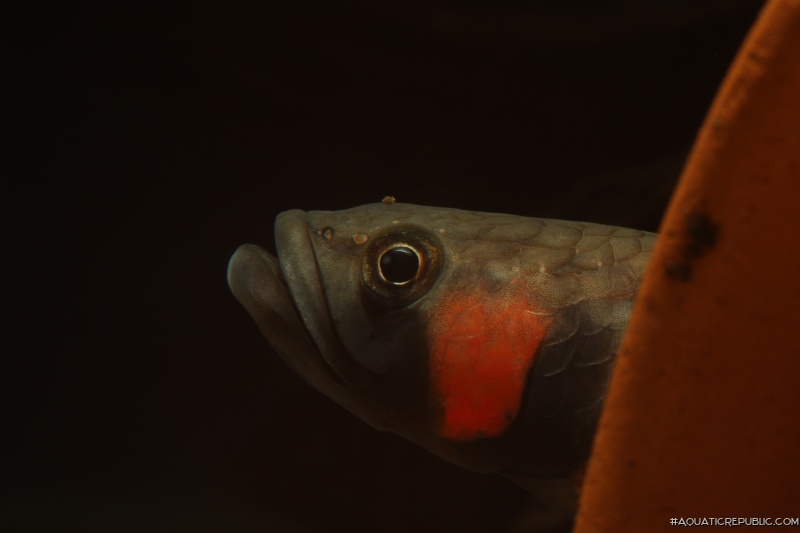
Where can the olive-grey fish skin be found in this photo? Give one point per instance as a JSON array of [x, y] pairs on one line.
[[328, 309]]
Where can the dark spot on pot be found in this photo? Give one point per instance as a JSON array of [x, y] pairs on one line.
[[702, 234], [679, 271]]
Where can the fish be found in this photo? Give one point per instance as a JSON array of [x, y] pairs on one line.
[[487, 339]]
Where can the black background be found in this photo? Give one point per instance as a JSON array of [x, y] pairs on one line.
[[145, 143]]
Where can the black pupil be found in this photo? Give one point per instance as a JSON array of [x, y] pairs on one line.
[[399, 265]]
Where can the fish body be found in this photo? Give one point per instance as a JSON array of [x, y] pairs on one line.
[[488, 339]]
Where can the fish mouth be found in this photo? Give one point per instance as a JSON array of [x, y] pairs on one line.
[[286, 297]]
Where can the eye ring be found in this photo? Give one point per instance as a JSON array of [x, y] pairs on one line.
[[400, 287]]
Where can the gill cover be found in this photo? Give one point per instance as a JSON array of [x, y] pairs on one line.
[[475, 340]]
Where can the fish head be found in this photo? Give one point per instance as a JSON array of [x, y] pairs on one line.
[[432, 323]]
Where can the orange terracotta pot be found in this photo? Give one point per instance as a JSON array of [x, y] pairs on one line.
[[703, 415]]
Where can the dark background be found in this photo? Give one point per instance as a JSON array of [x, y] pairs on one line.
[[144, 144]]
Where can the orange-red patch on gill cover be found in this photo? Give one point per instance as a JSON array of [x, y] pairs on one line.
[[481, 350]]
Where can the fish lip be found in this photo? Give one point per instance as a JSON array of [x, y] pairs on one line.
[[300, 268], [255, 278]]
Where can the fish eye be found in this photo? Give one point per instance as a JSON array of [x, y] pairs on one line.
[[399, 265]]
